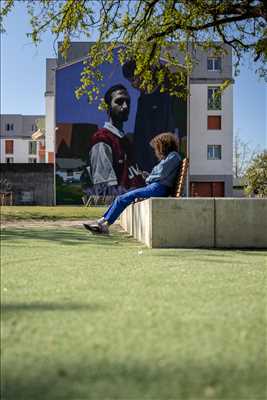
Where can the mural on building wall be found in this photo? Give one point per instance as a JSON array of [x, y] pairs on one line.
[[103, 153]]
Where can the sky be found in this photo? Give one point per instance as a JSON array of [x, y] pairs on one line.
[[23, 81]]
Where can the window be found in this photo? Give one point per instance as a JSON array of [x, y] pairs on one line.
[[214, 98], [34, 128], [33, 148], [9, 160], [214, 64], [32, 160], [214, 152], [214, 122], [9, 146], [9, 127]]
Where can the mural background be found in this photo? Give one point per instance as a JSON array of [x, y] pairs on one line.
[[77, 120]]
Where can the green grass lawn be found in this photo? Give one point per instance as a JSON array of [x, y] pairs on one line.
[[16, 213], [92, 317]]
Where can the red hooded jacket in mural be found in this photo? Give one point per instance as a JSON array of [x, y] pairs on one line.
[[128, 174]]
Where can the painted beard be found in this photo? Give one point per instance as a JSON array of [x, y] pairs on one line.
[[120, 116]]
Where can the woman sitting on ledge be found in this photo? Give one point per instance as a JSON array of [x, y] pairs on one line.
[[158, 184]]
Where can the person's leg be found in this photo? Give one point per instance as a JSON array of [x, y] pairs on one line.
[[122, 201]]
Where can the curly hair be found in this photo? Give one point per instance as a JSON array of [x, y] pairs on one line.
[[164, 143]]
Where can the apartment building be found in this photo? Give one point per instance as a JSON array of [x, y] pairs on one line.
[[204, 124], [20, 141], [211, 126]]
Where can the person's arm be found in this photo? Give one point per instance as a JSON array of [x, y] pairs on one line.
[[164, 168], [101, 162]]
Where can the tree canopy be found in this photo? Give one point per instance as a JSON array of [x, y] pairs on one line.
[[146, 31], [256, 176]]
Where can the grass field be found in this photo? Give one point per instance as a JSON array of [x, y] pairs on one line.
[[90, 317], [17, 213]]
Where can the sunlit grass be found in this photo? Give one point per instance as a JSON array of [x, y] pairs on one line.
[[50, 213], [103, 317]]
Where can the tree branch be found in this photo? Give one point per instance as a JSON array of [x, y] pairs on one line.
[[255, 13]]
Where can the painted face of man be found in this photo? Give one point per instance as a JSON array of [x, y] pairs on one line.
[[120, 106]]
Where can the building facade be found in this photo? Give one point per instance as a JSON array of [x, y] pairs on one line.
[[16, 141], [204, 126], [211, 126]]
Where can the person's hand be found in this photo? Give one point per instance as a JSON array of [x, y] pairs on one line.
[[145, 174]]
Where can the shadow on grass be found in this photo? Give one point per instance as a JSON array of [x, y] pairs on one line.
[[6, 308], [201, 261], [68, 236], [134, 380], [215, 256], [215, 261]]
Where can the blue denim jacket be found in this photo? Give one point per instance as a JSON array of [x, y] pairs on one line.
[[165, 172]]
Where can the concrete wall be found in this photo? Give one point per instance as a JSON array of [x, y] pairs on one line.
[[142, 222], [30, 183], [241, 223], [182, 223], [198, 222], [126, 219]]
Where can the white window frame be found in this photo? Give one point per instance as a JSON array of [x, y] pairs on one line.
[[213, 60], [212, 104], [11, 160], [213, 155]]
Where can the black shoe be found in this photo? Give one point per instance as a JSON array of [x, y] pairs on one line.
[[97, 227]]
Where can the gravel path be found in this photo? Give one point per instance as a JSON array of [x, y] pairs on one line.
[[31, 223]]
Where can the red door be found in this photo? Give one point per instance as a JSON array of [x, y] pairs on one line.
[[207, 189]]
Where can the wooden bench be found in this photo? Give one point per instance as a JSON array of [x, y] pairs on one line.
[[181, 178]]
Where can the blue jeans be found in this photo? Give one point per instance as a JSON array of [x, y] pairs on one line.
[[121, 202]]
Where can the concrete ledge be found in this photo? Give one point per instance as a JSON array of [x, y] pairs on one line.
[[198, 222], [241, 223], [142, 222], [126, 219], [182, 223]]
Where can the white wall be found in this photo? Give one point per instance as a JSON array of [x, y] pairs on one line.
[[49, 125], [200, 136], [20, 150], [2, 150]]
